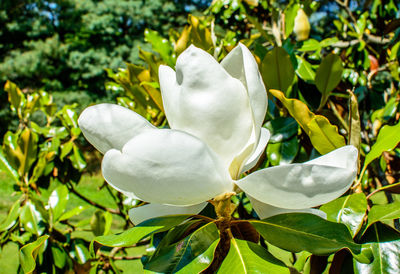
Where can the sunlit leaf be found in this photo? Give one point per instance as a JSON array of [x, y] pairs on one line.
[[58, 201], [328, 75], [349, 210], [385, 244], [144, 229], [248, 257], [29, 252], [12, 216], [386, 212], [307, 232], [323, 135], [277, 69], [388, 138]]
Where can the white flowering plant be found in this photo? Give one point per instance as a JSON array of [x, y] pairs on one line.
[[215, 138]]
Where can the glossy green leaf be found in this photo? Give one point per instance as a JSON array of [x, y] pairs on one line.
[[160, 45], [191, 255], [348, 210], [248, 257], [79, 251], [21, 150], [59, 256], [310, 45], [66, 149], [307, 232], [32, 219], [281, 129], [290, 13], [277, 69], [73, 212], [385, 245], [283, 153], [323, 135], [328, 75], [6, 167], [101, 223], [304, 70], [29, 253], [388, 138], [77, 159], [144, 229], [58, 201], [15, 95], [386, 212], [12, 216]]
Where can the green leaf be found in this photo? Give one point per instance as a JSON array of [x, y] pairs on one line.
[[144, 229], [59, 256], [191, 255], [304, 70], [58, 201], [290, 14], [248, 257], [310, 45], [283, 153], [328, 75], [386, 212], [388, 138], [12, 216], [323, 135], [6, 167], [79, 251], [161, 45], [277, 69], [297, 232], [66, 149], [15, 96], [281, 129], [21, 150], [32, 219], [69, 214], [77, 159], [385, 245], [348, 210], [101, 223], [29, 252]]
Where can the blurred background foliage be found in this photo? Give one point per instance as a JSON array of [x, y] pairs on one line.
[[331, 68]]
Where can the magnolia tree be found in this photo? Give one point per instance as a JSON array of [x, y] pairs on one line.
[[215, 112]]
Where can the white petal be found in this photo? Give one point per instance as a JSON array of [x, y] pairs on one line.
[[108, 126], [298, 186], [143, 213], [166, 166], [262, 143], [240, 64], [265, 210], [201, 98]]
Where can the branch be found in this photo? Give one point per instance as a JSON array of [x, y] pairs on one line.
[[111, 210]]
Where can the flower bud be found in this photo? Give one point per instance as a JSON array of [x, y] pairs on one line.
[[301, 26]]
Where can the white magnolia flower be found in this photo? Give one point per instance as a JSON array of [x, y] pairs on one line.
[[215, 112]]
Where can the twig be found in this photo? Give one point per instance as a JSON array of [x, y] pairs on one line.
[[111, 210]]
